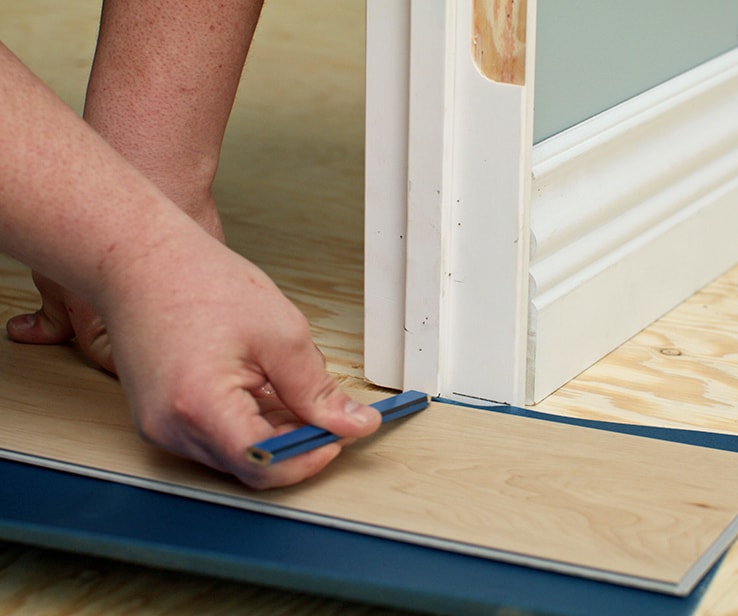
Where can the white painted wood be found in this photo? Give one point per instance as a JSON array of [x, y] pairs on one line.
[[468, 160], [431, 115], [632, 212], [492, 140], [387, 68]]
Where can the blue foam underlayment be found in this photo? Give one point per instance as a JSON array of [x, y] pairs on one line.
[[713, 440], [59, 510]]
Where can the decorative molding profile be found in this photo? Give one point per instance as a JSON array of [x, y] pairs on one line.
[[632, 212]]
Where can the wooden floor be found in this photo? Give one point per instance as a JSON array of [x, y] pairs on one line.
[[290, 192]]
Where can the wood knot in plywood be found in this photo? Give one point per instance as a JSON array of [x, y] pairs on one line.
[[499, 39]]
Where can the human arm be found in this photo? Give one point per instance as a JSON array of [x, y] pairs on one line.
[[161, 88], [194, 327]]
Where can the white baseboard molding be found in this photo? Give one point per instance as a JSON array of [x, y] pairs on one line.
[[632, 212]]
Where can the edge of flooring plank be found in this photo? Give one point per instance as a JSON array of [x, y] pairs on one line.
[[684, 586]]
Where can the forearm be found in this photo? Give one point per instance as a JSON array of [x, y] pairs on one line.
[[195, 329], [162, 86], [70, 206]]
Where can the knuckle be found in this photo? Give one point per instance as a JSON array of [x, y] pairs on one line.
[[326, 387], [149, 427], [167, 423], [297, 328], [186, 408]]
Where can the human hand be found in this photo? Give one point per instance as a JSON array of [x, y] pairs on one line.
[[195, 330], [63, 316], [195, 339]]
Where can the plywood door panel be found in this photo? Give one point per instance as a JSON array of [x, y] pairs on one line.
[[615, 507]]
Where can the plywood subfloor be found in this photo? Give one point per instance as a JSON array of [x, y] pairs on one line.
[[291, 184]]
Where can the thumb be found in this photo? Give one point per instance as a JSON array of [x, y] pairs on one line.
[[312, 394]]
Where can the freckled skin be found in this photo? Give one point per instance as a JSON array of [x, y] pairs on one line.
[[115, 216], [162, 94]]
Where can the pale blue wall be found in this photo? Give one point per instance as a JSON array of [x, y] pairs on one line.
[[593, 54]]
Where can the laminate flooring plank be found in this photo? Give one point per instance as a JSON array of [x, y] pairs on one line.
[[280, 168], [637, 511], [287, 176]]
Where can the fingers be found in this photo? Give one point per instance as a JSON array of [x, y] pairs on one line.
[[50, 324], [91, 334], [46, 326], [287, 472], [291, 471], [218, 434], [265, 391], [198, 377], [308, 390], [63, 317]]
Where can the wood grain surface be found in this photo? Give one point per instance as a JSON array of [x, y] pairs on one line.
[[682, 371], [290, 192], [610, 506], [499, 39]]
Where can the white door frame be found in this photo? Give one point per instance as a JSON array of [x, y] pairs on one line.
[[457, 226], [496, 270]]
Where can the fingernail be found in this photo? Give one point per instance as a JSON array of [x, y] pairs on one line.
[[23, 321], [359, 413]]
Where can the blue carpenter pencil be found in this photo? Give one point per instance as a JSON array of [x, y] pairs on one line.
[[310, 437]]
